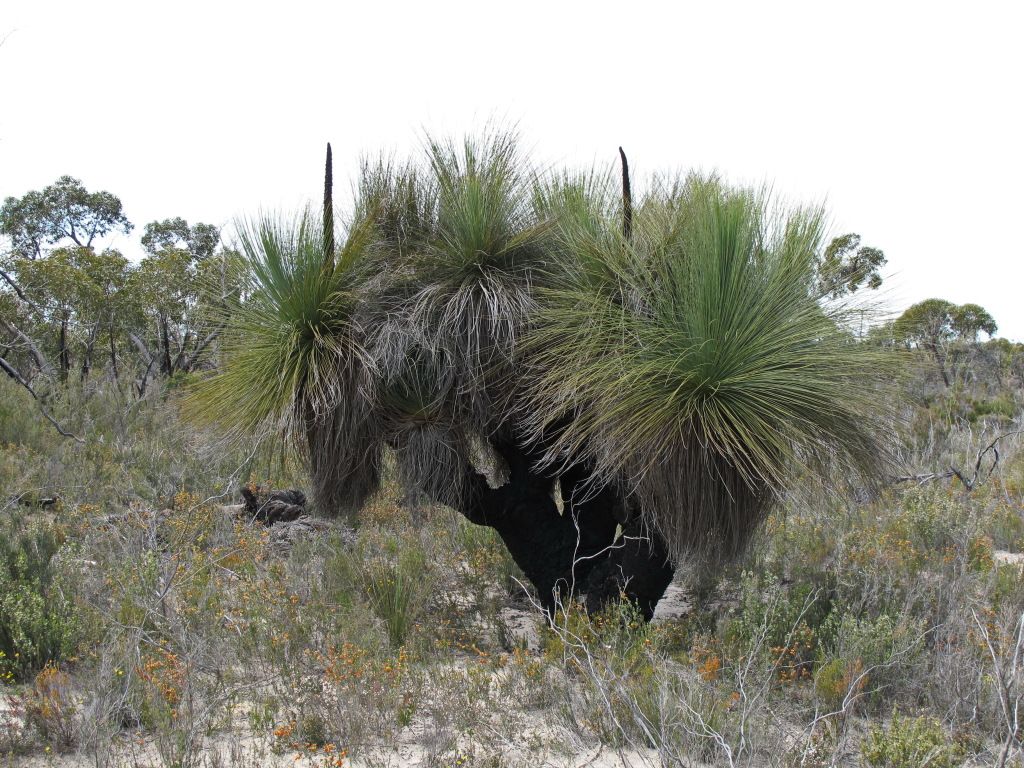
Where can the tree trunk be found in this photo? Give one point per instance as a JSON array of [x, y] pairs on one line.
[[41, 363], [187, 362], [941, 360], [573, 554], [65, 353], [87, 356], [113, 355], [165, 347]]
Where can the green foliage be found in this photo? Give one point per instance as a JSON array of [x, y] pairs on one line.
[[618, 634], [968, 320], [784, 627], [865, 660], [39, 620], [19, 421], [706, 366], [199, 240], [397, 579], [63, 210], [912, 742], [75, 306], [933, 324], [72, 307], [846, 266], [487, 560], [79, 307], [928, 321]]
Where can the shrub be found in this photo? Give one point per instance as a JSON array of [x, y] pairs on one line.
[[867, 657], [782, 624], [39, 622], [396, 577], [912, 743], [50, 708]]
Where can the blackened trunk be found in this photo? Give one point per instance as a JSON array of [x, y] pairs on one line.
[[573, 553], [636, 568], [634, 565], [87, 357], [65, 353], [114, 355]]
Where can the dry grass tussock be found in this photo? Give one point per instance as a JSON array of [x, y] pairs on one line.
[[141, 625]]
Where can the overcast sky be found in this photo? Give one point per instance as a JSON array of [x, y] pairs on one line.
[[905, 118]]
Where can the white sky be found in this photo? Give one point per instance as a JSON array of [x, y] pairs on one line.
[[905, 117]]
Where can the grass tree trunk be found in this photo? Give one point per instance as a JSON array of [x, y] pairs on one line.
[[572, 553]]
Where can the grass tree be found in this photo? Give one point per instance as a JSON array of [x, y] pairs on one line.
[[294, 362], [667, 379], [697, 369]]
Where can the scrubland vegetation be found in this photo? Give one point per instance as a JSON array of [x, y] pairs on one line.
[[141, 624], [523, 403]]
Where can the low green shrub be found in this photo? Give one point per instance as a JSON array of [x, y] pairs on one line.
[[782, 624], [397, 578], [912, 743], [867, 660], [1002, 407], [39, 621]]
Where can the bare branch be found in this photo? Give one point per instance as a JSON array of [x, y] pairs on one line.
[[186, 361], [11, 371], [968, 483], [58, 427], [922, 478], [33, 350], [20, 291], [147, 356]]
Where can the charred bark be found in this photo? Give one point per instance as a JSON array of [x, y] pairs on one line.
[[273, 507], [573, 553], [64, 357]]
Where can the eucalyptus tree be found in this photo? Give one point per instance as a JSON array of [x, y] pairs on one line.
[[934, 324], [847, 266], [179, 288], [613, 398], [54, 291], [64, 307], [64, 210]]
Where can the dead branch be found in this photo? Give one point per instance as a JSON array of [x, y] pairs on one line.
[[13, 373], [41, 362], [968, 483], [922, 478]]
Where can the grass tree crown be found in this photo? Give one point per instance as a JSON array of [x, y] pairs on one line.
[[698, 366]]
